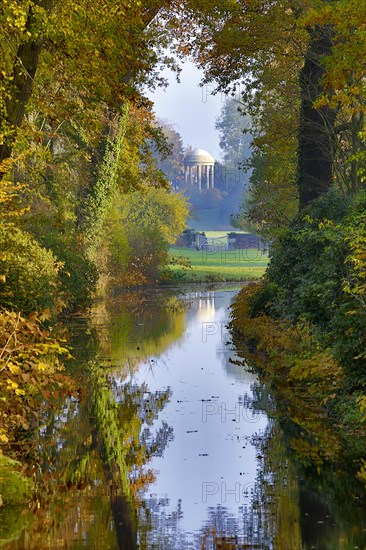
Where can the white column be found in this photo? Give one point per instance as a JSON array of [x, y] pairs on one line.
[[185, 174], [207, 175], [212, 176], [190, 175], [199, 177]]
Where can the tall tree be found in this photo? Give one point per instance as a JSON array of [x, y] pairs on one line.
[[23, 28], [316, 128], [268, 46], [170, 160], [234, 131], [97, 63]]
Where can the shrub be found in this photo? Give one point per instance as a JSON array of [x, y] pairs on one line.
[[14, 488], [317, 273], [29, 273], [30, 373], [143, 226], [78, 274]]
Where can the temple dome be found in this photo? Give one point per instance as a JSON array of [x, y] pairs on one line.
[[199, 156]]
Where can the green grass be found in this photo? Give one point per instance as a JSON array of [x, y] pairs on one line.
[[236, 265]]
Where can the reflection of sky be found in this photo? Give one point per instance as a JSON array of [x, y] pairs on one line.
[[211, 452]]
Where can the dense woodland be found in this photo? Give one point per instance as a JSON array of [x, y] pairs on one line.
[[84, 206]]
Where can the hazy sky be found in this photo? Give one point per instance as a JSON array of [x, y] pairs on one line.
[[192, 109]]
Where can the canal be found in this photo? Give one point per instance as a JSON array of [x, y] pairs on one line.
[[172, 443]]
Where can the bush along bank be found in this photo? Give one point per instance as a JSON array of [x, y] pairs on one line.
[[304, 327]]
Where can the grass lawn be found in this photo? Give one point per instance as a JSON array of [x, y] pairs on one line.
[[229, 265]]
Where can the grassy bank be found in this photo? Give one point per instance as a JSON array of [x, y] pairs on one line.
[[206, 266]]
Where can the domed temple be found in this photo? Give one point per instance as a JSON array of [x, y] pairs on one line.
[[199, 169]]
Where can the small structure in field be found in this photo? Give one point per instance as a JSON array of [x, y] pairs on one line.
[[232, 241], [191, 239], [241, 241]]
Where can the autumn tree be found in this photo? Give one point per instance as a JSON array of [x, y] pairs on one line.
[[141, 230], [23, 27], [82, 99], [87, 63], [234, 131], [286, 51], [170, 160]]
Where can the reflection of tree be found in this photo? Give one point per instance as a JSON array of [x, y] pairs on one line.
[[299, 503], [219, 532], [276, 492], [117, 425], [139, 324], [94, 460], [159, 528], [93, 455], [223, 530], [96, 454]]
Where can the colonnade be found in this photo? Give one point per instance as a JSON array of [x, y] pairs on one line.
[[200, 174]]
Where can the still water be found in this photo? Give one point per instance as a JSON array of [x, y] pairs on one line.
[[172, 443]]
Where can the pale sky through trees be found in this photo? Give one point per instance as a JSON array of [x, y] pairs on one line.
[[192, 109]]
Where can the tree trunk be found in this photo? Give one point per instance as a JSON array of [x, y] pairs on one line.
[[24, 70], [316, 131], [94, 199], [25, 67]]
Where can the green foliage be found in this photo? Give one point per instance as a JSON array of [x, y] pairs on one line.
[[266, 300], [29, 272], [15, 491], [234, 130], [78, 275], [144, 226], [14, 487], [271, 202], [315, 270], [317, 276], [105, 185]]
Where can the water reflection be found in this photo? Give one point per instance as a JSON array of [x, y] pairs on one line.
[[172, 444], [210, 465]]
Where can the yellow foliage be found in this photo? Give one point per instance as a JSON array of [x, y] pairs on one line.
[[3, 437], [320, 366], [361, 474], [361, 402], [43, 367], [22, 378], [11, 384], [304, 375], [345, 68]]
